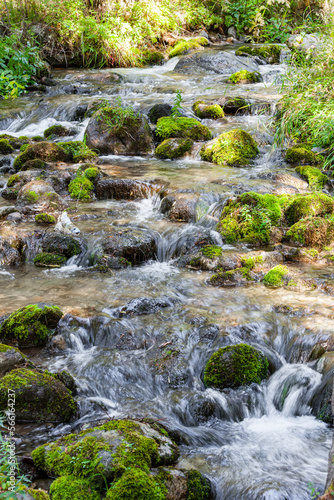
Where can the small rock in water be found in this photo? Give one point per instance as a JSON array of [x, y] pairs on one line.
[[15, 217], [65, 225], [6, 210]]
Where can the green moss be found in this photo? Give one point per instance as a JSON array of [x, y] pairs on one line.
[[198, 486], [37, 138], [72, 488], [78, 151], [173, 148], [250, 262], [182, 46], [80, 188], [31, 324], [235, 147], [56, 130], [33, 164], [45, 151], [151, 57], [44, 259], [24, 147], [169, 126], [38, 396], [91, 173], [311, 231], [5, 147], [235, 365], [31, 197], [136, 485], [249, 218], [314, 177], [203, 110], [45, 219], [302, 154], [269, 52], [38, 494], [244, 76], [312, 205], [275, 276], [211, 251], [312, 252], [13, 179]]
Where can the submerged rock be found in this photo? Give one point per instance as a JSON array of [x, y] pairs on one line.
[[180, 207]]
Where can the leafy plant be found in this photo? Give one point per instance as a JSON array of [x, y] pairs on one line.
[[177, 107]]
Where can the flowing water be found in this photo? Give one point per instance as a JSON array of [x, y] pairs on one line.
[[254, 443]]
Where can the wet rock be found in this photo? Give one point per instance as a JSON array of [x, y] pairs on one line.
[[35, 191], [62, 244], [140, 306], [15, 217], [105, 134], [304, 43], [45, 151], [31, 325], [173, 148], [39, 397], [180, 207], [179, 126], [134, 245], [212, 62], [235, 147], [7, 210], [311, 232], [125, 189], [158, 111], [269, 52], [13, 245], [58, 131], [11, 358]]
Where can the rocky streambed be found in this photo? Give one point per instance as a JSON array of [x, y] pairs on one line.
[[166, 284]]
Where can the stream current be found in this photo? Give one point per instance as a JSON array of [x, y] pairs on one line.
[[256, 443]]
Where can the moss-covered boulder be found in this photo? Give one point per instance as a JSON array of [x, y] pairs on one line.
[[11, 358], [15, 142], [234, 105], [312, 232], [208, 110], [115, 130], [244, 76], [35, 164], [81, 188], [173, 148], [250, 218], [62, 244], [270, 52], [303, 155], [180, 126], [235, 147], [274, 277], [78, 151], [235, 365], [39, 397], [108, 450], [136, 484], [183, 46], [57, 131], [33, 494], [45, 151], [315, 178], [44, 218], [72, 488], [311, 205], [35, 191], [31, 325], [44, 259], [5, 147]]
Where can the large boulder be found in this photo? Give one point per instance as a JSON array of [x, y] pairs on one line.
[[39, 397], [180, 126], [311, 205], [11, 358], [133, 245], [46, 151], [311, 232], [33, 191], [113, 131], [235, 365], [213, 62], [235, 147], [31, 325]]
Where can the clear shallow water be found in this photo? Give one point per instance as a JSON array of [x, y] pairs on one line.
[[255, 443]]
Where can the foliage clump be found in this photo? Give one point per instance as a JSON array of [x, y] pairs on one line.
[[235, 147], [136, 484], [78, 151], [44, 259], [303, 155], [275, 276], [173, 148], [244, 76], [45, 219], [235, 365], [208, 110], [73, 488], [30, 325], [180, 126]]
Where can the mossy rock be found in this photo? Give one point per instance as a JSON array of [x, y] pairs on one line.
[[45, 151], [39, 397], [271, 52], [303, 155], [315, 178], [11, 358], [5, 147], [13, 179], [136, 484], [235, 105], [208, 110], [235, 147], [152, 57], [312, 232], [32, 493], [62, 244], [91, 173], [199, 488], [182, 127], [31, 325], [158, 111], [250, 217], [15, 142], [211, 251], [78, 151], [57, 131], [44, 259], [45, 219], [173, 148], [245, 76], [33, 164], [81, 188], [311, 205], [274, 277], [183, 46], [234, 366], [73, 488], [24, 147], [108, 450]]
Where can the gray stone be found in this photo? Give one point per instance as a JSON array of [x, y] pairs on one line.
[[7, 210], [211, 62]]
